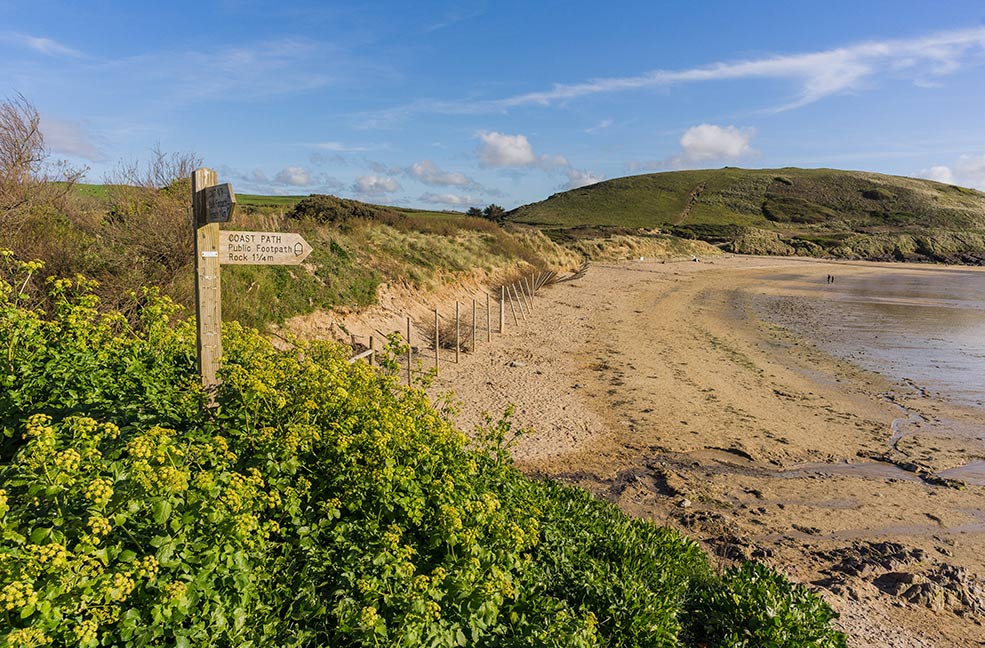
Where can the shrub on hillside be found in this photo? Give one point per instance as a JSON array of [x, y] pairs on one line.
[[323, 208]]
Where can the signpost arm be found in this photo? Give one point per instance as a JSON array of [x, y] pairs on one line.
[[208, 310]]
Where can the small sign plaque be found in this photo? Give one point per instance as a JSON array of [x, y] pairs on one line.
[[262, 248], [220, 202]]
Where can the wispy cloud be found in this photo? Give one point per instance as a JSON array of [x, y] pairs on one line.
[[340, 147], [427, 172], [602, 125], [72, 138], [816, 75], [452, 200], [46, 46]]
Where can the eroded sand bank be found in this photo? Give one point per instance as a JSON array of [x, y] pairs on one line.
[[659, 386]]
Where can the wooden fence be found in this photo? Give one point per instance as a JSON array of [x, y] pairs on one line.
[[446, 332]]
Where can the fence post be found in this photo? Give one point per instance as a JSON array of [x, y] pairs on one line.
[[516, 322], [372, 351], [519, 302], [458, 332], [502, 307], [530, 286], [410, 352], [437, 339], [523, 297], [488, 332], [474, 339]]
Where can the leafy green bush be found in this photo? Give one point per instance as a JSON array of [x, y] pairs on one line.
[[323, 208], [753, 607], [317, 503]]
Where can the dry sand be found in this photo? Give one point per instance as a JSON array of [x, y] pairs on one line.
[[657, 386]]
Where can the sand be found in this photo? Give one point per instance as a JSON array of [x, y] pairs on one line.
[[660, 387]]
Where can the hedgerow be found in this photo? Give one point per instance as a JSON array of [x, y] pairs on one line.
[[307, 502]]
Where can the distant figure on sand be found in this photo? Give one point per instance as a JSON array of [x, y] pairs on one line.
[[831, 279]]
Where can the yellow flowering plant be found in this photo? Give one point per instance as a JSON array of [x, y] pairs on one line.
[[308, 502]]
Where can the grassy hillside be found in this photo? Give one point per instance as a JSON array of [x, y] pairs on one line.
[[782, 211], [129, 238]]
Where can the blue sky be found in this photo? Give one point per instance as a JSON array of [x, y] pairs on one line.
[[454, 104]]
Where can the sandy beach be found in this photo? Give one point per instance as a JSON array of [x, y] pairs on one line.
[[664, 387]]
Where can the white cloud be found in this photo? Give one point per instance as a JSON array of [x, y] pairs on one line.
[[295, 176], [453, 200], [578, 178], [258, 176], [815, 75], [429, 173], [375, 185], [69, 138], [966, 171], [711, 142], [499, 150], [940, 173]]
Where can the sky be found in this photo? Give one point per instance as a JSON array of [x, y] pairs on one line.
[[447, 105]]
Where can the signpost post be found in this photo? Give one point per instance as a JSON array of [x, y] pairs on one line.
[[208, 310], [214, 203]]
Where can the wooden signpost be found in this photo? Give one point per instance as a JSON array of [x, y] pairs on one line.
[[214, 203]]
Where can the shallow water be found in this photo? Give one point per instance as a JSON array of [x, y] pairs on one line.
[[924, 329]]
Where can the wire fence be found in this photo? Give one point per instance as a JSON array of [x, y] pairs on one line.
[[449, 335]]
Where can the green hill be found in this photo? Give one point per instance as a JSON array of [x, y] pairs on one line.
[[813, 212]]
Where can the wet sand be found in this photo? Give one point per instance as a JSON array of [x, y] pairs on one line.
[[674, 390]]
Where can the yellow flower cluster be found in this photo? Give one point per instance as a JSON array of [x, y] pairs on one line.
[[68, 460], [368, 616], [17, 595], [40, 438], [88, 566], [142, 447], [301, 438], [99, 525], [50, 555], [147, 567], [85, 631], [433, 609], [223, 446], [121, 586], [99, 491], [26, 638], [176, 590]]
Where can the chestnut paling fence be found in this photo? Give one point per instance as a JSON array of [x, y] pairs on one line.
[[461, 330]]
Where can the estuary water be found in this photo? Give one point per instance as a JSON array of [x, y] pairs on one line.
[[923, 328]]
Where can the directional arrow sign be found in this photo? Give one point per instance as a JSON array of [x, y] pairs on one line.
[[262, 248]]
